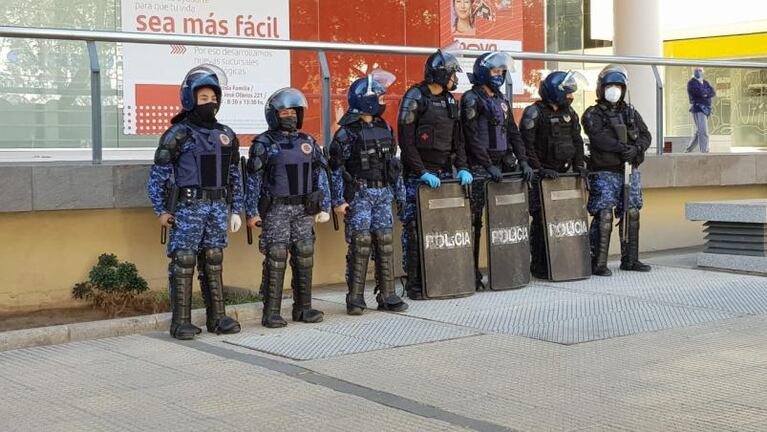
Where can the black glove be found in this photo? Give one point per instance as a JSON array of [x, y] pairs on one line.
[[629, 153], [638, 159], [495, 173], [582, 171], [527, 171], [548, 173]]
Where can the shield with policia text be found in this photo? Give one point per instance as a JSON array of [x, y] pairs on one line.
[[508, 242], [566, 227], [444, 228]]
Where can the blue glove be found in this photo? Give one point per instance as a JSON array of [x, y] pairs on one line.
[[465, 177], [431, 180]]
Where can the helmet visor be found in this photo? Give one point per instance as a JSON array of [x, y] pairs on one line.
[[450, 55], [383, 78], [573, 81], [499, 60], [613, 68], [288, 98], [206, 70]]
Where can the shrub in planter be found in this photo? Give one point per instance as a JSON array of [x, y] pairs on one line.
[[111, 285]]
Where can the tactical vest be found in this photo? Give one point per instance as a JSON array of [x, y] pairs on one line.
[[372, 148], [560, 138], [492, 123], [290, 169], [436, 123], [205, 163], [621, 117]]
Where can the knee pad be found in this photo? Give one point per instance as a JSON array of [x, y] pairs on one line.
[[214, 256], [184, 260], [303, 251], [384, 241], [276, 255], [605, 218], [362, 240]]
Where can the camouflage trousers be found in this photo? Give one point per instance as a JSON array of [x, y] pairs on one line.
[[200, 224], [369, 210], [285, 224], [606, 193]]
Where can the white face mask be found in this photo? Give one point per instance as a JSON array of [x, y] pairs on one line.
[[613, 94]]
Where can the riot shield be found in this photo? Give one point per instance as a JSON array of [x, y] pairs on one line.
[[508, 242], [444, 230], [566, 227]]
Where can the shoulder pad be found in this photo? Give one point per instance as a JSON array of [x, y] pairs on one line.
[[529, 117], [590, 111], [342, 135], [348, 118], [170, 144], [469, 105], [257, 155], [408, 109]]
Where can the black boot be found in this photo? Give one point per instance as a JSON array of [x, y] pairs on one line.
[[272, 280], [302, 262], [413, 261], [209, 269], [182, 272], [601, 244], [539, 266], [359, 256], [477, 226], [384, 262], [630, 249]]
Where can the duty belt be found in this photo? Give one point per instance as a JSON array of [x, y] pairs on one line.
[[289, 200], [193, 193], [370, 184]]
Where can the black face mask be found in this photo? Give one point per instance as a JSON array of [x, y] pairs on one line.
[[289, 124], [204, 115]]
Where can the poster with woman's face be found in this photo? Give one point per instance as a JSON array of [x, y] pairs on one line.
[[463, 18], [486, 25], [466, 15]]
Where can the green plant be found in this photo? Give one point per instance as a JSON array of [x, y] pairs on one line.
[[112, 285]]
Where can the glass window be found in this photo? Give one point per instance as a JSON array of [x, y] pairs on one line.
[[738, 116], [45, 84]]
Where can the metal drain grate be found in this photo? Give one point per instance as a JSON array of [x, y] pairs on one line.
[[599, 308], [352, 337]]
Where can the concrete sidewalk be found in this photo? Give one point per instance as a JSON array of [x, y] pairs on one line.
[[676, 349]]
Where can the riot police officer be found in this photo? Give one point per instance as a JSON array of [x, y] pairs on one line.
[[287, 189], [196, 166], [618, 140], [431, 143], [366, 180], [552, 135], [493, 143]]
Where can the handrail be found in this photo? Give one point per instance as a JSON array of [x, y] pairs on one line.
[[92, 36], [174, 39]]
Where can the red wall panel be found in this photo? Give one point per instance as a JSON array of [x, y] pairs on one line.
[[390, 22]]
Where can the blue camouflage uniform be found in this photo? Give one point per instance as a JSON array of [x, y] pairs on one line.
[[287, 185], [367, 176], [609, 156], [201, 166]]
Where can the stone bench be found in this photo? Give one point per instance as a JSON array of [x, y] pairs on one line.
[[736, 234]]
